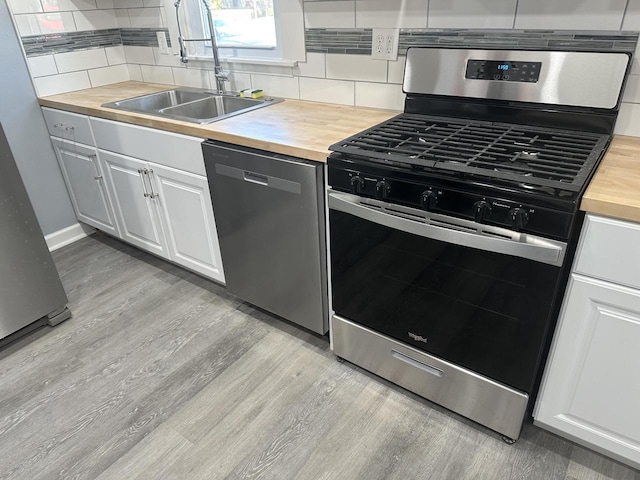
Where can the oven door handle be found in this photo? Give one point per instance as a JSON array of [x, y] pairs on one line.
[[451, 230]]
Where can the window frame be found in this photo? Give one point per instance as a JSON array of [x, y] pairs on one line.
[[290, 47]]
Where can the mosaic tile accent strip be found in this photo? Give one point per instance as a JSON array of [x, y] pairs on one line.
[[341, 40], [52, 43], [48, 44], [142, 37], [358, 41]]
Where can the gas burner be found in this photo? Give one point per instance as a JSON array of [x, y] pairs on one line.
[[553, 158], [524, 155]]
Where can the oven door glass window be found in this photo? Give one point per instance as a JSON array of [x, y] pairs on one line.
[[482, 310]]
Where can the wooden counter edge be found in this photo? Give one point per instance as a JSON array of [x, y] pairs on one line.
[[186, 128]]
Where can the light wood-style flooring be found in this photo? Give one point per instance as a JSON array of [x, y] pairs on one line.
[[161, 374]]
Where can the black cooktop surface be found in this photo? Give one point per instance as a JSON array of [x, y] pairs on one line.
[[528, 155]]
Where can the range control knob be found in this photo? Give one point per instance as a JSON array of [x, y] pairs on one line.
[[357, 184], [519, 218], [429, 200], [383, 189], [481, 211]]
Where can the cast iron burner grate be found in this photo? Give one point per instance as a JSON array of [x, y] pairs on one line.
[[533, 156]]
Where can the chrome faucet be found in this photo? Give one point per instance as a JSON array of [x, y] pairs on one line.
[[221, 75]]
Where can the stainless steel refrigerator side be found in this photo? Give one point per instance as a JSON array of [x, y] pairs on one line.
[[30, 287]]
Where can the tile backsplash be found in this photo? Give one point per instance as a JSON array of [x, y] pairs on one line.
[[74, 44]]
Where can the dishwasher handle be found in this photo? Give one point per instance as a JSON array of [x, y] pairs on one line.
[[269, 181], [256, 178]]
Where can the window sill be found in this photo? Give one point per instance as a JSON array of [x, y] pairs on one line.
[[250, 61]]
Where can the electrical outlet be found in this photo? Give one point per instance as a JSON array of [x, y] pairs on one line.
[[162, 43], [385, 43]]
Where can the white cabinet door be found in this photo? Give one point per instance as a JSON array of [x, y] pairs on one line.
[[591, 390], [85, 182], [188, 219], [136, 210]]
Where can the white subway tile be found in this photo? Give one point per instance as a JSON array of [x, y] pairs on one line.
[[471, 13], [191, 77], [102, 4], [81, 60], [25, 6], [36, 24], [115, 55], [632, 16], [313, 67], [396, 70], [237, 81], [127, 3], [356, 67], [122, 18], [139, 55], [152, 3], [109, 75], [570, 14], [155, 74], [66, 82], [277, 86], [169, 60], [379, 95], [134, 72], [145, 18], [95, 20], [68, 5], [628, 122], [632, 90], [386, 14], [335, 14], [42, 66], [327, 91]]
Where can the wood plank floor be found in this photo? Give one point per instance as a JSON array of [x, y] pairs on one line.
[[161, 374]]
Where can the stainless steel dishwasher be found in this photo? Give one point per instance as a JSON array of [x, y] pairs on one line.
[[269, 211]]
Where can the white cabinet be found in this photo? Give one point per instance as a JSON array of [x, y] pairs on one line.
[[591, 387], [188, 219], [85, 183], [145, 186], [137, 210]]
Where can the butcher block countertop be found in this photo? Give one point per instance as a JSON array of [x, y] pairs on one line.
[[293, 127], [614, 190]]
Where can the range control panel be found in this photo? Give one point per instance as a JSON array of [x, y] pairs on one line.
[[506, 71]]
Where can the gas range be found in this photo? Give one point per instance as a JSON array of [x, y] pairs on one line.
[[453, 225], [516, 176]]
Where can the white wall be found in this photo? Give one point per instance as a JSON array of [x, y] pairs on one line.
[[22, 120], [66, 72]]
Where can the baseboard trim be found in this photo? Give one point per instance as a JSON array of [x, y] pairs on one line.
[[68, 235]]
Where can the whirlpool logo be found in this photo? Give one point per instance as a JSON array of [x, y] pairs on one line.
[[417, 338]]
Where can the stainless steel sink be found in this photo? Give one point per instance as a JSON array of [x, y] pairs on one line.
[[191, 105]]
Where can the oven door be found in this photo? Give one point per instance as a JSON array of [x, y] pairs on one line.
[[475, 295]]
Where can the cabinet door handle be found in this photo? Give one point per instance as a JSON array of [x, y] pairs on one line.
[[153, 193], [99, 177], [144, 184]]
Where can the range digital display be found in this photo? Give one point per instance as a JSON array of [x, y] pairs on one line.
[[504, 71]]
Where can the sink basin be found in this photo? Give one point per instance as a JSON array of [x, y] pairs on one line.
[[209, 109], [157, 101], [191, 105]]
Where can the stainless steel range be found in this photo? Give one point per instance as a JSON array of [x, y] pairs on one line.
[[453, 225]]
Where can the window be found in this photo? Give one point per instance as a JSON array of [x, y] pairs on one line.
[[243, 23], [245, 29]]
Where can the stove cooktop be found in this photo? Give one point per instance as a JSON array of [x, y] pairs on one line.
[[527, 156]]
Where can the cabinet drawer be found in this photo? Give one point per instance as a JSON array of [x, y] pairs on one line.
[[67, 125], [165, 148], [609, 250]]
